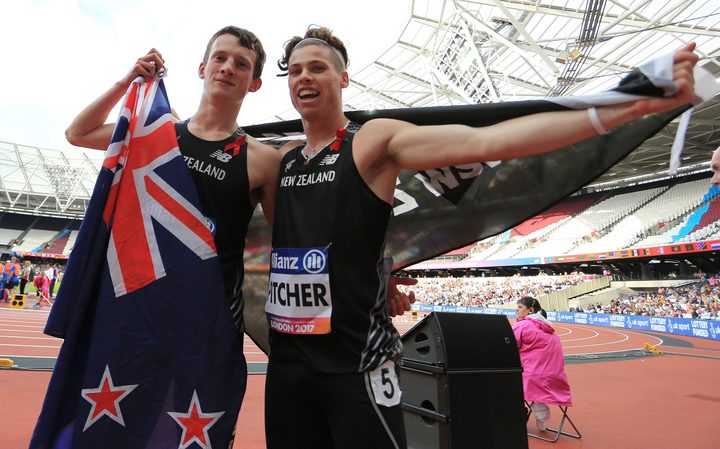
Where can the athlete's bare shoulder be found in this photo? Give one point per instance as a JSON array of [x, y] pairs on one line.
[[290, 145], [263, 165], [263, 162], [261, 152]]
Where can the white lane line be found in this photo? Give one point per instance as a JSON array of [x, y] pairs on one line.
[[8, 312], [21, 320], [23, 337], [593, 334], [29, 346], [25, 326], [625, 337]]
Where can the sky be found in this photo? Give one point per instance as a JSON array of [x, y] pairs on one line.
[[59, 55]]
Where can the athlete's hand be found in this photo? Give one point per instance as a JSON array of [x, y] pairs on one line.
[[398, 302], [146, 66], [684, 61]]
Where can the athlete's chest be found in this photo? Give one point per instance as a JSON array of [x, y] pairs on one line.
[[322, 172], [219, 161]]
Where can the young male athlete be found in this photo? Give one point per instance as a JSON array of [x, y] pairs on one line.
[[332, 375], [231, 171]]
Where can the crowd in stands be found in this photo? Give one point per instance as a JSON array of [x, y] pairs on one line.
[[700, 301], [490, 291]]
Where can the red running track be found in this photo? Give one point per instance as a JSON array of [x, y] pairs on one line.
[[21, 334], [662, 402]]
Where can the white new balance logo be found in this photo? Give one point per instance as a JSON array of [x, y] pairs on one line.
[[329, 159], [221, 156]]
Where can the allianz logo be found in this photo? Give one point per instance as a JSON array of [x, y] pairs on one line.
[[314, 261]]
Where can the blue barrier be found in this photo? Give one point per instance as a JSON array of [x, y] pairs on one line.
[[709, 329], [427, 308]]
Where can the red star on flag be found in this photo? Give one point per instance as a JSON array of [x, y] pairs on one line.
[[105, 400], [195, 424]]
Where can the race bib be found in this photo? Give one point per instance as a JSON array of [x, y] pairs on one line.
[[385, 384], [299, 299]]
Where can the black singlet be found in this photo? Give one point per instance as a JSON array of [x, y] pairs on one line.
[[326, 203], [219, 171]]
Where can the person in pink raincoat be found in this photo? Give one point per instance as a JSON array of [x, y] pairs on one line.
[[541, 356], [42, 284]]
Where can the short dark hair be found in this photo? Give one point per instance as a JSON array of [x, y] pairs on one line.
[[245, 38], [317, 32]]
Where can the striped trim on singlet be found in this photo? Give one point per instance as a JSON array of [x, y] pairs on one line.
[[383, 341]]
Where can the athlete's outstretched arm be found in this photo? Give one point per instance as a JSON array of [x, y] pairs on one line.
[[89, 129], [408, 146]]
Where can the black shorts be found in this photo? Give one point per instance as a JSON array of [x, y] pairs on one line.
[[10, 284], [321, 411]]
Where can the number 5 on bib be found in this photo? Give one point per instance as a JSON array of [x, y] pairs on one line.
[[385, 384]]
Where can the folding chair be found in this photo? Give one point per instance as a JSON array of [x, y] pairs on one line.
[[557, 432]]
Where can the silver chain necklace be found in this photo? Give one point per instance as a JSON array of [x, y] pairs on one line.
[[317, 149]]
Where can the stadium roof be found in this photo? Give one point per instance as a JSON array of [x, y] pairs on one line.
[[458, 52]]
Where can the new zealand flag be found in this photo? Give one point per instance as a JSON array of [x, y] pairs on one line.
[[151, 358]]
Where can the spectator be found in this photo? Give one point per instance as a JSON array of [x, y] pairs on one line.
[[53, 274], [25, 275], [11, 273], [541, 356], [490, 291], [3, 280], [50, 274], [42, 284]]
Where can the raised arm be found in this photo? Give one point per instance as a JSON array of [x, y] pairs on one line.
[[89, 129], [407, 146]]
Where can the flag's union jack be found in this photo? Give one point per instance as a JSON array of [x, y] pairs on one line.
[[139, 154]]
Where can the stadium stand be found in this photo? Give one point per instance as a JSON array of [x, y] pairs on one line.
[[27, 233], [34, 239], [70, 243], [57, 246], [566, 209], [646, 215], [698, 302], [7, 236], [662, 209], [590, 222], [534, 229], [490, 291]]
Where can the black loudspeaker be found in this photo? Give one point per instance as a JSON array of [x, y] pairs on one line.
[[462, 384]]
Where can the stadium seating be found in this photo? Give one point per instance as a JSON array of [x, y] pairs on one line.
[[28, 233], [664, 213], [70, 243], [489, 291]]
